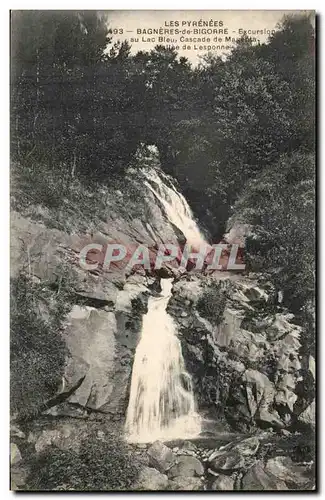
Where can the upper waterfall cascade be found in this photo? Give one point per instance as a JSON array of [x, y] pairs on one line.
[[175, 205]]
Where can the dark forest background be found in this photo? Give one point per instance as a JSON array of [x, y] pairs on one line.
[[238, 134]]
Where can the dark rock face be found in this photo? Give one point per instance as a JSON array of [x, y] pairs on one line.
[[244, 355]]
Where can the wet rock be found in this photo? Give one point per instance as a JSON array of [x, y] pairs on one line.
[[186, 466], [161, 457], [15, 455], [151, 479], [257, 479], [186, 484], [223, 483]]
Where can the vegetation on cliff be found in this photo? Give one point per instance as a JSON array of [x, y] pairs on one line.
[[37, 350], [82, 106], [99, 465]]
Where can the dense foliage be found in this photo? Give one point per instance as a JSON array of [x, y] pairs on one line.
[[37, 349], [212, 303], [100, 465]]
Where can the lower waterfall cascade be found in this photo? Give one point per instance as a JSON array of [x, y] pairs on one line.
[[161, 404]]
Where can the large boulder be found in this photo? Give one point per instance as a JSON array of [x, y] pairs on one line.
[[183, 483], [186, 466], [161, 457], [260, 396], [258, 479], [90, 337], [223, 483], [151, 479], [234, 456], [308, 416], [296, 476], [101, 348]]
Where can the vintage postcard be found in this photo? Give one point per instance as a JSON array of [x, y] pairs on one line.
[[162, 250]]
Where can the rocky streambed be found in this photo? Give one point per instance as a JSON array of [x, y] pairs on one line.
[[262, 461], [249, 463]]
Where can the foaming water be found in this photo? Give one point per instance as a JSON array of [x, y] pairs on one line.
[[161, 404], [175, 205]]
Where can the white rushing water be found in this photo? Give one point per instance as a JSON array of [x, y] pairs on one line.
[[175, 205], [161, 404]]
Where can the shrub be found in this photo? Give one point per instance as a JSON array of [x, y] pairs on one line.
[[211, 304], [37, 349], [100, 465]]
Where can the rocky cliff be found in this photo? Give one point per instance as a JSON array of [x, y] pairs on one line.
[[243, 350], [103, 326]]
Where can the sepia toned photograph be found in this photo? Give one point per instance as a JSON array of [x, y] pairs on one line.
[[162, 251]]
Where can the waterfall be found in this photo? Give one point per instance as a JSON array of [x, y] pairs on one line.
[[161, 404], [175, 205]]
